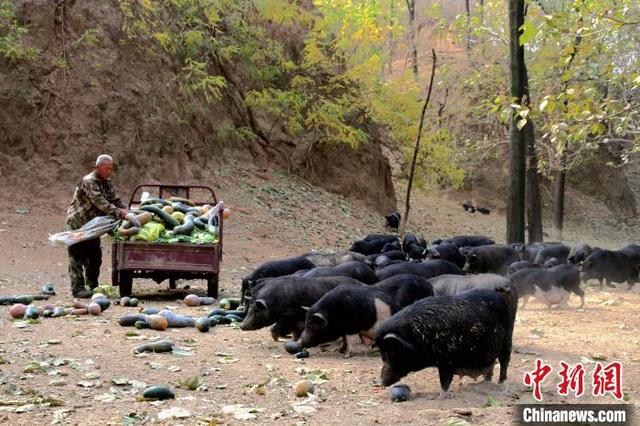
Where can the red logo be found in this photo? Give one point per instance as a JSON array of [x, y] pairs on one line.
[[608, 379], [536, 377], [605, 379], [572, 379]]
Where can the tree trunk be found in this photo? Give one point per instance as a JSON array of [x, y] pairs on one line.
[[560, 184], [558, 198], [468, 9], [407, 206], [392, 42], [411, 7], [515, 196], [532, 193], [534, 208]]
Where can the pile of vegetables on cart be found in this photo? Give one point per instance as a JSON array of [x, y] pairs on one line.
[[172, 220]]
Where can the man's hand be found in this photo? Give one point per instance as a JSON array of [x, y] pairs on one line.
[[123, 213]]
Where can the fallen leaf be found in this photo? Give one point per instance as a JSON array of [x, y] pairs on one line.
[[57, 362], [174, 413], [523, 352], [25, 408], [585, 360], [133, 418], [241, 412], [181, 352], [492, 402], [60, 415], [317, 377], [191, 383], [106, 397], [227, 359], [138, 385], [302, 408], [120, 381], [455, 421], [536, 333], [598, 357], [36, 366]]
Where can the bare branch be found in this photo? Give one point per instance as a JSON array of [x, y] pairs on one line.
[[417, 147]]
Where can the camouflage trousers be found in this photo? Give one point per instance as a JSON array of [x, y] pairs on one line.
[[85, 259]]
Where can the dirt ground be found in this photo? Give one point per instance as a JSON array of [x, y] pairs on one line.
[[74, 370]]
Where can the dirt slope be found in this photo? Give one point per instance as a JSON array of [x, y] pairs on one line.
[[92, 91]]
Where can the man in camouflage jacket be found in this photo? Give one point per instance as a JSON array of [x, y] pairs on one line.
[[94, 196]]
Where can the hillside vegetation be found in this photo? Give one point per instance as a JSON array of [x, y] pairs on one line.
[[327, 90]]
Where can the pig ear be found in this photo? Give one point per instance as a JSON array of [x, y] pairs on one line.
[[260, 303], [318, 320], [392, 341], [503, 289]]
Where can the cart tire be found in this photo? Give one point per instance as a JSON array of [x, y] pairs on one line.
[[212, 285], [126, 284]]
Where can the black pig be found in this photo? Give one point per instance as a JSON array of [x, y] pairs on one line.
[[461, 334]]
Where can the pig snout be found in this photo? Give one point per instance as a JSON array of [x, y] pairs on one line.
[[248, 324], [388, 376], [306, 339]]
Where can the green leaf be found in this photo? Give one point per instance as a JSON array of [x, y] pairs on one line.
[[521, 123], [543, 104], [598, 129], [192, 383], [492, 402], [528, 32]]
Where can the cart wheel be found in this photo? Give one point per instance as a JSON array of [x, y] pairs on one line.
[[212, 285], [126, 283], [172, 283]]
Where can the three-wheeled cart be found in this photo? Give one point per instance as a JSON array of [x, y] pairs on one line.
[[172, 261]]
